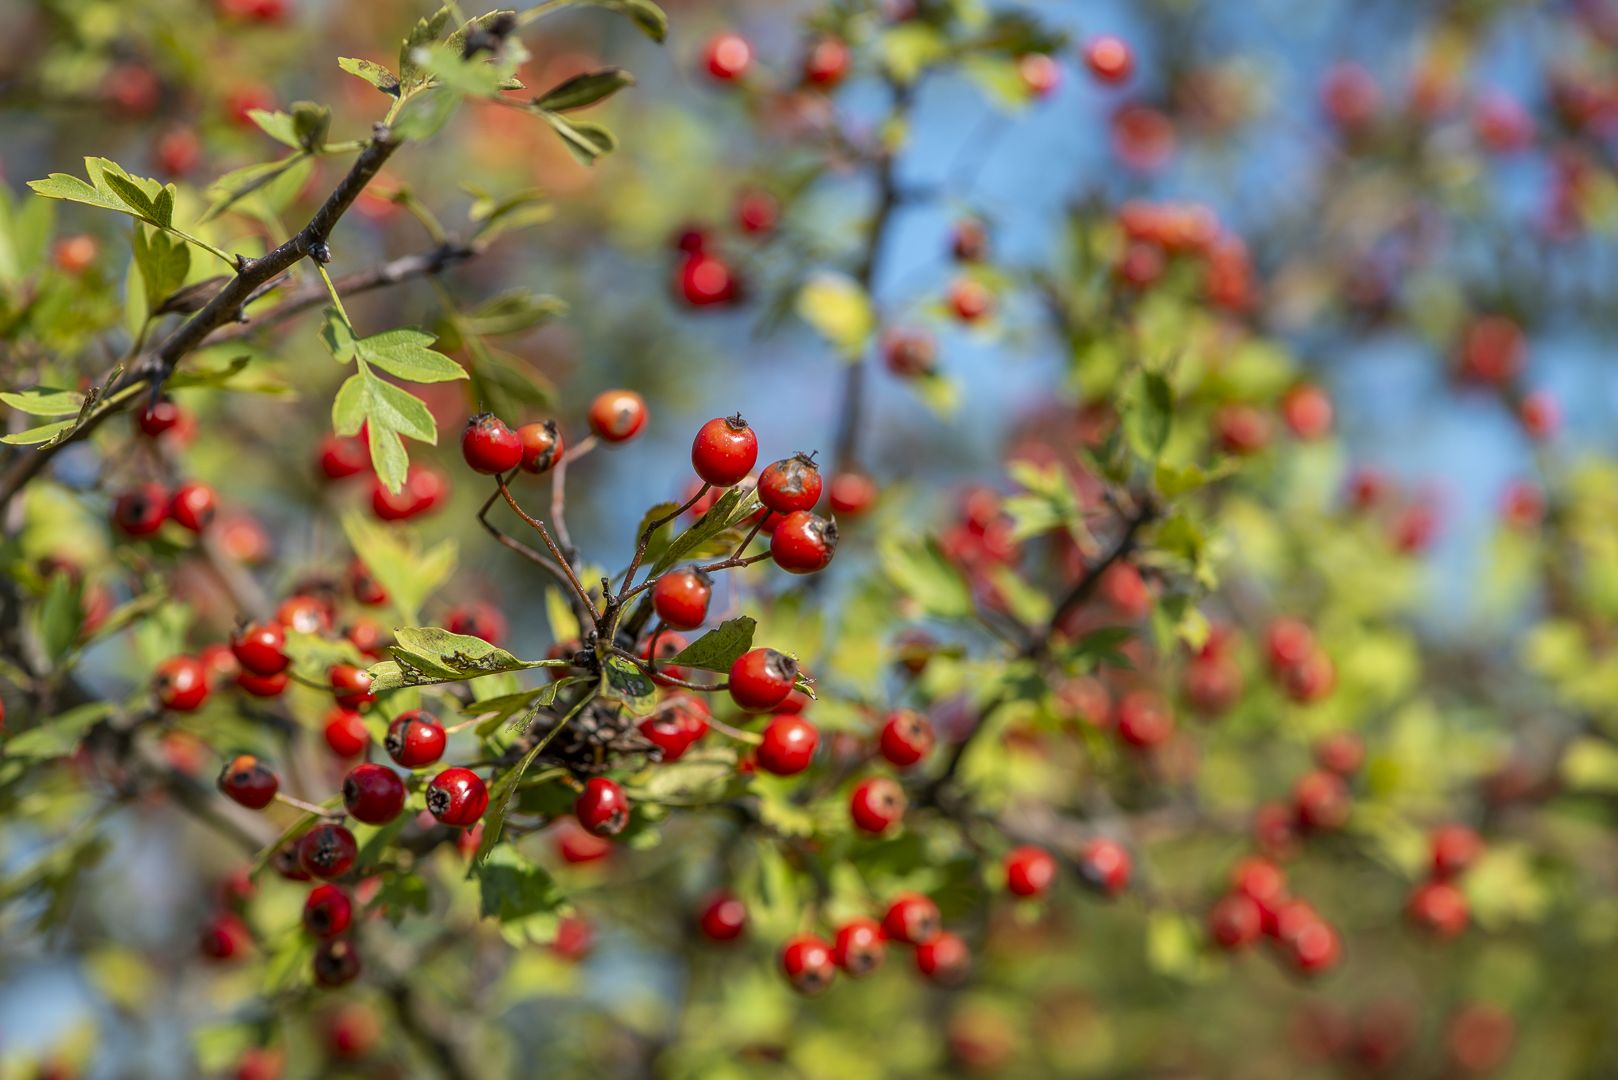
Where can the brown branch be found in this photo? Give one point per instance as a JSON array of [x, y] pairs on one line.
[[563, 565]]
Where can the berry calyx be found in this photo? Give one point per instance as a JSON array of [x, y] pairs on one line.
[[807, 963], [373, 793], [542, 446], [457, 797], [261, 648], [328, 911], [352, 685], [877, 805], [1104, 866], [489, 446], [327, 850], [724, 918], [724, 451], [181, 683], [912, 918], [142, 511], [907, 737], [788, 746], [617, 415], [790, 484], [803, 543], [193, 506], [345, 732], [602, 808], [944, 960], [681, 597], [247, 781], [859, 947], [728, 56], [761, 679], [1029, 871]]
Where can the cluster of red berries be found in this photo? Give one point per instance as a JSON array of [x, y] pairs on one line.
[[1258, 904], [340, 457], [859, 946], [1438, 904], [1410, 519]]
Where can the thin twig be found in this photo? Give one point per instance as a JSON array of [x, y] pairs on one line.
[[550, 542]]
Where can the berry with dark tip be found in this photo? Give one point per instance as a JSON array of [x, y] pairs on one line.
[[247, 781]]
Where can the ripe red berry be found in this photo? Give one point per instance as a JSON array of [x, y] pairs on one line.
[[181, 683], [423, 489], [1307, 412], [328, 911], [1235, 921], [906, 738], [1105, 865], [373, 793], [260, 648], [803, 543], [944, 960], [851, 493], [264, 686], [477, 619], [602, 807], [576, 846], [859, 947], [1143, 720], [761, 679], [327, 850], [246, 780], [1029, 871], [790, 484], [1440, 907], [807, 963], [1340, 752], [305, 614], [617, 415], [259, 1063], [163, 415], [677, 724], [728, 56], [193, 506], [1540, 414], [681, 597], [352, 685], [970, 300], [789, 745], [912, 918], [345, 732], [489, 446], [457, 797], [141, 511], [363, 586], [336, 963], [826, 63], [909, 353], [876, 805], [1321, 800], [705, 279], [723, 918], [757, 212], [1040, 73], [1455, 848], [542, 446], [724, 451], [178, 151], [343, 456], [1109, 59], [224, 937]]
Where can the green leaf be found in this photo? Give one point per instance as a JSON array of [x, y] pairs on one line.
[[424, 655], [582, 91], [586, 141], [389, 458], [626, 684], [480, 76], [404, 354], [310, 122], [58, 736], [43, 401], [512, 888], [497, 710], [645, 14], [163, 263], [339, 337], [61, 615], [426, 31], [401, 411], [1148, 415], [920, 570], [718, 649], [512, 312], [372, 72], [731, 508], [424, 114], [277, 125], [25, 232], [408, 574], [34, 436], [348, 407], [837, 307]]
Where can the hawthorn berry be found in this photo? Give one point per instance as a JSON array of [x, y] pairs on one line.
[[345, 732], [1313, 946], [352, 685], [803, 543], [457, 797], [1289, 643], [969, 240], [681, 597], [366, 635], [1307, 412], [160, 416], [336, 963], [1321, 800], [859, 947], [1311, 680], [477, 619], [1104, 865], [259, 1063], [1340, 752], [327, 850], [328, 911], [1109, 58], [944, 959], [757, 212], [660, 649], [790, 484], [363, 585], [542, 446], [1440, 907], [1241, 429], [305, 614], [909, 353], [876, 805], [723, 918], [724, 451], [1040, 73], [261, 648], [141, 511], [788, 746], [676, 725], [177, 151], [602, 807], [342, 456], [181, 683], [761, 679], [576, 846], [193, 506], [1455, 849], [489, 446], [807, 963], [617, 415], [704, 279], [912, 918], [423, 489], [264, 686], [1029, 870], [574, 936], [1143, 720], [1540, 415], [826, 63], [907, 737], [373, 793], [728, 56], [970, 300], [851, 493], [224, 936]]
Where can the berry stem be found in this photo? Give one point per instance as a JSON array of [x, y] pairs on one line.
[[624, 591], [545, 534], [559, 493], [735, 733], [299, 804], [519, 547]]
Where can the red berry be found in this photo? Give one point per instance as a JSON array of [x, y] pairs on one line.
[[423, 489], [1455, 848], [346, 733], [260, 648], [909, 353], [1289, 641], [142, 511], [76, 254], [353, 1031], [617, 415], [574, 937], [826, 63], [352, 685], [757, 212], [343, 456], [906, 738], [364, 587], [676, 725], [761, 679], [807, 963], [728, 56], [1104, 865], [1040, 73], [1307, 412], [859, 947], [1310, 680], [193, 506], [457, 797], [803, 543], [969, 240], [789, 745], [970, 300], [1321, 800], [1109, 59], [264, 686], [1235, 921], [790, 484], [704, 279], [224, 937], [1340, 752], [1143, 720], [181, 683], [155, 419], [489, 446], [576, 846], [305, 614], [944, 960], [912, 919], [876, 805], [336, 963], [178, 151], [724, 451], [851, 493], [1029, 871], [1440, 907], [366, 635], [681, 597], [724, 918], [220, 664], [328, 911], [246, 781], [373, 793], [602, 807], [259, 1063], [1261, 881], [1540, 414], [327, 850], [541, 446], [1241, 429], [477, 619]]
